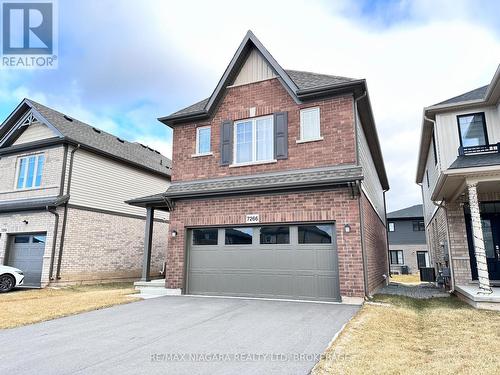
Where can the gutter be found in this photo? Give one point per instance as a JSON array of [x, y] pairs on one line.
[[63, 231]]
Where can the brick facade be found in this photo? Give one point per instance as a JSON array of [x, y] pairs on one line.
[[102, 246], [97, 246], [337, 129], [375, 245], [334, 205]]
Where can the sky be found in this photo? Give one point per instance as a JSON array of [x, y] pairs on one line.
[[122, 63]]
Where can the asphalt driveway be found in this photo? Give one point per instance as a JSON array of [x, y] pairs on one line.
[[181, 335]]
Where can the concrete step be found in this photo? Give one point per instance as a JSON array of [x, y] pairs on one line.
[[154, 288]]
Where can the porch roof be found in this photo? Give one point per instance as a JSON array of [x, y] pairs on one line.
[[33, 204], [479, 160]]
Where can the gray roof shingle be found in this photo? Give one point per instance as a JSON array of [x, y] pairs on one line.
[[303, 80], [287, 179], [475, 94], [479, 160], [408, 212], [88, 135], [32, 203]]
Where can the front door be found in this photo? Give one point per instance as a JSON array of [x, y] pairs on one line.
[[491, 236], [421, 259], [491, 230]]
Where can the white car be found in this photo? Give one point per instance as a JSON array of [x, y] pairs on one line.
[[10, 277]]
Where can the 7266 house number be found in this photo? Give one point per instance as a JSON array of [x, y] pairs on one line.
[[252, 218]]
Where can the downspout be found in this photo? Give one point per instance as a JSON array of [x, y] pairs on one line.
[[54, 241], [387, 240], [63, 231], [440, 205], [452, 273], [360, 208], [56, 214]]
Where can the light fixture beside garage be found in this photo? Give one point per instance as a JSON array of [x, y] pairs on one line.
[[174, 233], [347, 228], [25, 222]]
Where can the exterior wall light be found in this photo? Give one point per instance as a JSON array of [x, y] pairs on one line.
[[347, 228], [174, 233], [25, 222]]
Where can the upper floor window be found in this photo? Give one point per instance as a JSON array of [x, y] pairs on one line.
[[30, 170], [472, 130], [203, 140], [418, 226], [392, 227], [310, 124], [254, 140]]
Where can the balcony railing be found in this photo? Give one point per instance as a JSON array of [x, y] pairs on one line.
[[479, 149]]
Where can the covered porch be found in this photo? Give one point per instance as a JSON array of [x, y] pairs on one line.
[[146, 285], [471, 199]]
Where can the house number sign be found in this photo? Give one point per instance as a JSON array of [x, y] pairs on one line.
[[252, 218]]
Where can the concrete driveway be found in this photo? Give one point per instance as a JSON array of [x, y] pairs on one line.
[[178, 335]]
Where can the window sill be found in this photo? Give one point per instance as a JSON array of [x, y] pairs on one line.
[[252, 163], [200, 155], [309, 140]]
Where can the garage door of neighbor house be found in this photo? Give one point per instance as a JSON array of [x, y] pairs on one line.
[[282, 261], [26, 253]]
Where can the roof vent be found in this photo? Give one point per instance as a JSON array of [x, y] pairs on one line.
[[120, 140], [68, 118], [96, 130]]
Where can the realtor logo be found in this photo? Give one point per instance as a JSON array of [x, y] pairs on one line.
[[28, 34]]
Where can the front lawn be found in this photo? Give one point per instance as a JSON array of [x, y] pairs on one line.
[[401, 335], [26, 306]]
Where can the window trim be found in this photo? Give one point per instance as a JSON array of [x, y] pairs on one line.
[[393, 226], [397, 257], [485, 128], [253, 120], [35, 172], [301, 133], [416, 224], [197, 145]]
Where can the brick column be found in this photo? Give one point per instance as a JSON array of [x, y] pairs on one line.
[[478, 241]]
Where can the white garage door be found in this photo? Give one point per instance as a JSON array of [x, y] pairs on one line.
[[26, 253]]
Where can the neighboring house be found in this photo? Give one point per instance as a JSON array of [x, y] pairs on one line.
[[62, 190], [459, 171], [277, 188], [407, 244]]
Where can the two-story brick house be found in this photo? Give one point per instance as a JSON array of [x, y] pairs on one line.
[[277, 187], [459, 172], [407, 243], [63, 184]]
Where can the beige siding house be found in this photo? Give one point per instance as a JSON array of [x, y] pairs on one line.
[[62, 190], [459, 172]]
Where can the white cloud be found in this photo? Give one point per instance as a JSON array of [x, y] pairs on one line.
[[123, 65]]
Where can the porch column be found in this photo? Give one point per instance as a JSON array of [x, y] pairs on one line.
[[148, 239], [478, 241]]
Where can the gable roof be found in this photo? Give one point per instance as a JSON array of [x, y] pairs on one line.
[[302, 86], [407, 213], [483, 96], [74, 131]]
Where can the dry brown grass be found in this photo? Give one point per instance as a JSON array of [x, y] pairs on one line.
[[407, 279], [407, 336], [23, 306]]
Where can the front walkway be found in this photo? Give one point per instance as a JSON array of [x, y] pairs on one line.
[[420, 291], [178, 335]]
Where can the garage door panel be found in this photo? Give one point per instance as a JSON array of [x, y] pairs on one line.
[[292, 271], [26, 253]]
